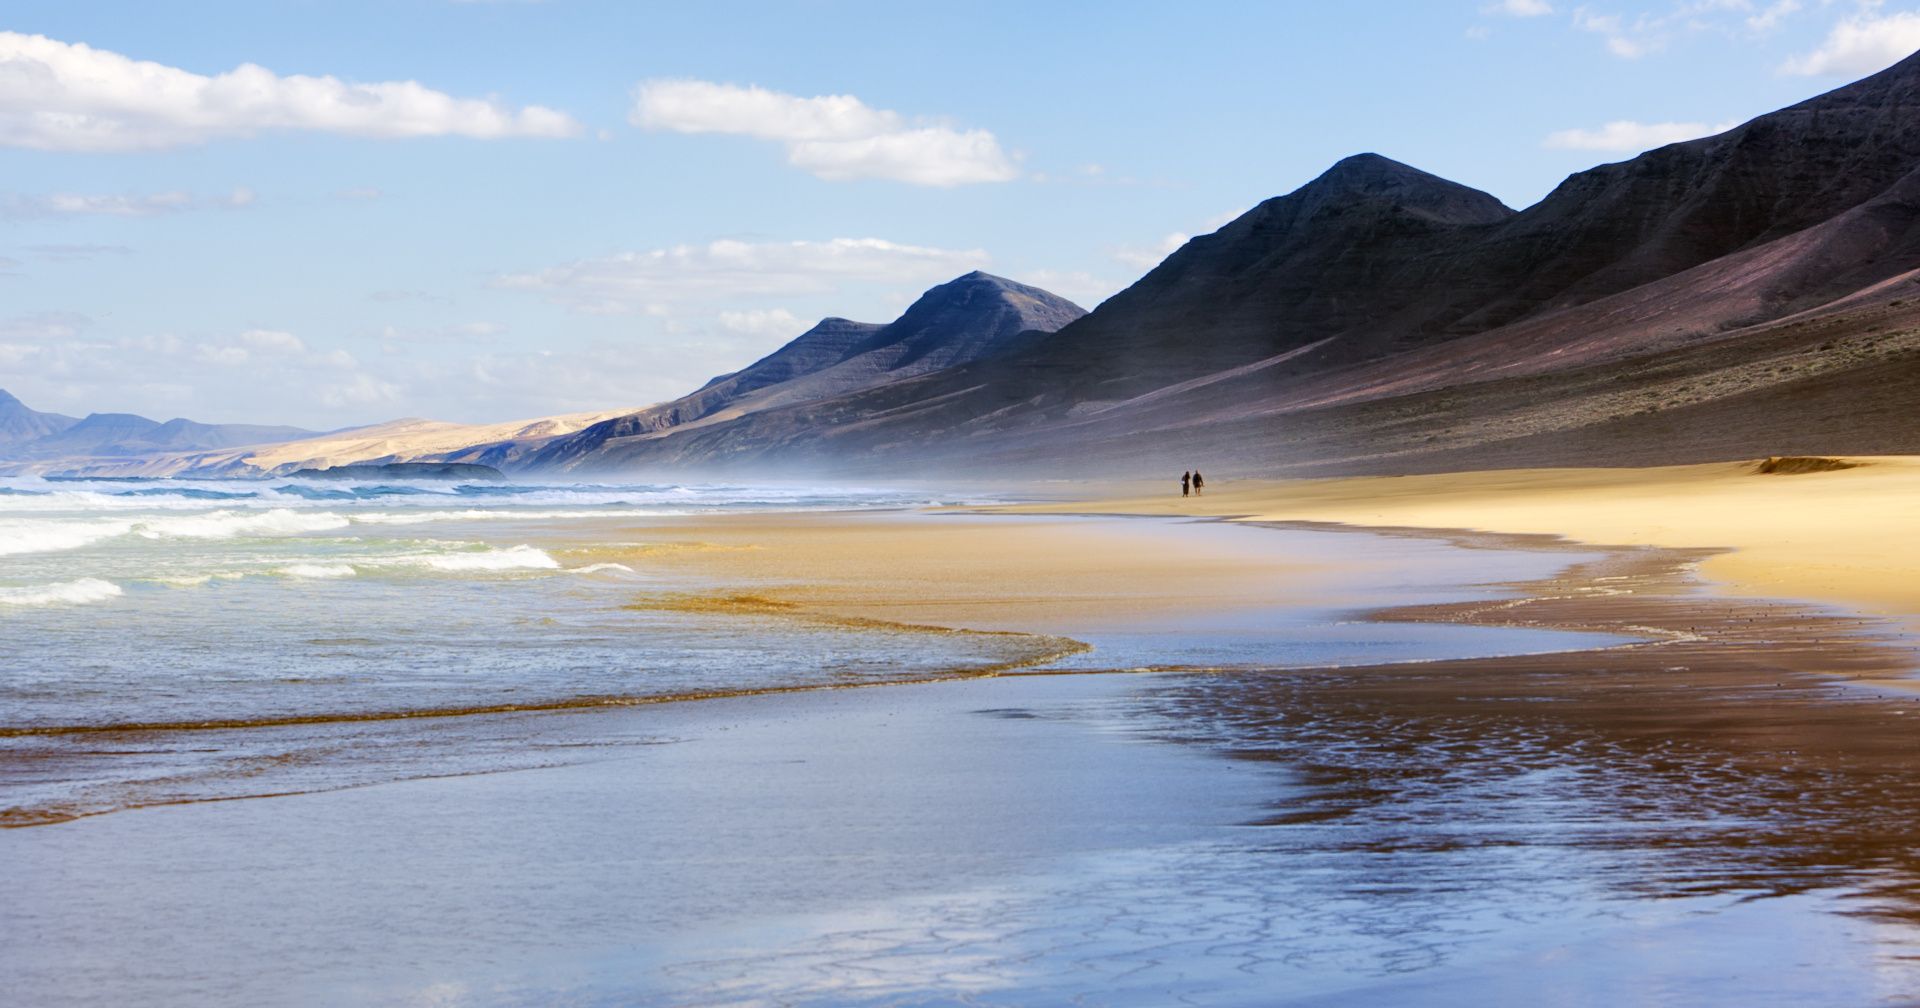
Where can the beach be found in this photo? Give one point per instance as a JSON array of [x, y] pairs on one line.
[[1225, 762], [1839, 535]]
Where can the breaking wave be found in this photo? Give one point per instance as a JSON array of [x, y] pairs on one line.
[[77, 592]]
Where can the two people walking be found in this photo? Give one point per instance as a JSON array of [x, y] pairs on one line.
[[1191, 482]]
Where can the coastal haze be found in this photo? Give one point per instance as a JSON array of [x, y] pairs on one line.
[[1543, 624]]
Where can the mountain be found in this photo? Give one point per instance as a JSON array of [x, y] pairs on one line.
[[43, 438], [1713, 298], [18, 424], [95, 434], [973, 317], [1751, 293], [396, 441], [124, 434]]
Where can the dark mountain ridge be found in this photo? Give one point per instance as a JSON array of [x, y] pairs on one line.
[[1379, 283], [973, 316]]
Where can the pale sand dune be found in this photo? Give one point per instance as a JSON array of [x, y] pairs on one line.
[[1850, 537], [397, 440]]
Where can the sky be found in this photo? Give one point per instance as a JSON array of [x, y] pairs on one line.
[[336, 213]]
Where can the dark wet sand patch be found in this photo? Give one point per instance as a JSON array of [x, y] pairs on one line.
[[1750, 746]]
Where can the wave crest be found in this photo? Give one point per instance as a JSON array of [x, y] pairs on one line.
[[78, 592]]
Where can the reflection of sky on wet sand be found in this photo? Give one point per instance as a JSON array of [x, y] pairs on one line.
[[1001, 842], [1217, 925]]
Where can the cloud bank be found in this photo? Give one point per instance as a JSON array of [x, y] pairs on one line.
[[724, 271], [1624, 135], [20, 206], [63, 96], [1859, 46], [835, 137]]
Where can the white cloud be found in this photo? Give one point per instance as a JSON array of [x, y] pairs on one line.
[[274, 340], [1734, 21], [835, 137], [1518, 8], [728, 270], [1626, 42], [360, 390], [1860, 45], [1079, 286], [65, 96], [935, 156], [693, 106], [470, 333], [1769, 18], [1147, 257], [223, 356], [21, 205], [1633, 137], [60, 362], [762, 322], [77, 252]]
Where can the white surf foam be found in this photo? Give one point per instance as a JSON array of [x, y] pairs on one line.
[[79, 592], [229, 524], [512, 558], [599, 567], [53, 536], [319, 570], [500, 514]]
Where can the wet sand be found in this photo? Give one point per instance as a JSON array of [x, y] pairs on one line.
[[1727, 812]]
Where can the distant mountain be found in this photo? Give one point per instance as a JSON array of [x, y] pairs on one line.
[[973, 317], [48, 437], [120, 434], [19, 424], [1382, 319], [405, 440]]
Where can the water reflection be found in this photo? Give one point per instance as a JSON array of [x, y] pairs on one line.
[[1756, 750]]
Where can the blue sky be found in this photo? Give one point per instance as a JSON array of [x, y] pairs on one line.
[[490, 210]]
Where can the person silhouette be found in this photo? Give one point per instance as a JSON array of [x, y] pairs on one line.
[[1184, 477], [1198, 482]]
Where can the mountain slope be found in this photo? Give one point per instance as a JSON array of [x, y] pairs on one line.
[[125, 435], [1381, 317], [19, 424], [969, 318]]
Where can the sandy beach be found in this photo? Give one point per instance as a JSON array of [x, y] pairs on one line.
[[1422, 766], [1841, 536]]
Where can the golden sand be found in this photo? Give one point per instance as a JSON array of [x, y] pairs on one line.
[[958, 570], [1849, 536]]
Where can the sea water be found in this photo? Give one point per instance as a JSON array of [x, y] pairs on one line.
[[168, 641], [173, 606]]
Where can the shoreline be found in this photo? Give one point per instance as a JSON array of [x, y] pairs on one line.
[[1653, 594], [1142, 833], [1229, 575], [1421, 831]]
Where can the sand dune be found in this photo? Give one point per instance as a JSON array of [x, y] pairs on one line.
[[407, 440]]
